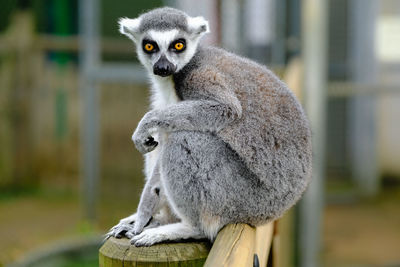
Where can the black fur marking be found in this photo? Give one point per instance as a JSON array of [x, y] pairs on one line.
[[150, 142], [157, 191], [148, 41], [172, 45], [147, 224]]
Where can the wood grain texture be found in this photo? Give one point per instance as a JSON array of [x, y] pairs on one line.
[[236, 245], [264, 237], [119, 252]]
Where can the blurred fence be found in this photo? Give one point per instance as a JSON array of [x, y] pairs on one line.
[[41, 109]]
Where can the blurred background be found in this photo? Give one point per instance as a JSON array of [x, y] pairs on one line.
[[72, 92]]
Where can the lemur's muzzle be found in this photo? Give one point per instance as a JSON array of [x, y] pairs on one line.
[[163, 67]]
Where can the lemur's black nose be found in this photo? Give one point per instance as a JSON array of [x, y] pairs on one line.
[[163, 67]]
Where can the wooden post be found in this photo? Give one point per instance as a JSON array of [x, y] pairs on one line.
[[119, 252], [235, 245]]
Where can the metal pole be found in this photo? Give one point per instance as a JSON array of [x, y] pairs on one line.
[[279, 45], [89, 62], [259, 30], [230, 25], [362, 117], [314, 44]]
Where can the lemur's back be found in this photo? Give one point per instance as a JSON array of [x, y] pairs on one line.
[[272, 136]]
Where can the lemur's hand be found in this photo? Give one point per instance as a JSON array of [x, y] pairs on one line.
[[142, 137], [144, 143], [131, 226], [124, 226]]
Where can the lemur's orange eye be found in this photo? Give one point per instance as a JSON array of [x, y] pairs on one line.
[[148, 47], [179, 46]]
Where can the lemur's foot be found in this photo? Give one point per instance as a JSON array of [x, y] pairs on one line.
[[147, 238], [125, 225], [137, 229], [168, 232]]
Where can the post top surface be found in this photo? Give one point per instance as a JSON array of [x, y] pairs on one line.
[[122, 250]]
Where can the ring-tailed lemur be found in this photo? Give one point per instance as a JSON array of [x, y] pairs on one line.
[[225, 139]]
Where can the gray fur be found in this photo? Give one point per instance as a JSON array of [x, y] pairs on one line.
[[236, 148], [163, 19]]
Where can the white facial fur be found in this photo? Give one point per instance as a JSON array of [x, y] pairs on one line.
[[163, 40], [197, 26]]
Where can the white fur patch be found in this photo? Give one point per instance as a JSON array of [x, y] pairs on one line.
[[151, 161], [129, 27], [163, 92], [210, 225], [163, 38], [163, 95], [173, 231], [198, 25]]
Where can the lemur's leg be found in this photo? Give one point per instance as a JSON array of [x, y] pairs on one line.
[[162, 212], [153, 210], [148, 206], [149, 201], [170, 232]]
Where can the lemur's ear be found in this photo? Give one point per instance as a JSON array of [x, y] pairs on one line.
[[198, 26], [129, 27]]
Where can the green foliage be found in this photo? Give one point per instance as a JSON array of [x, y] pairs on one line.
[[6, 10], [85, 228], [111, 12], [56, 16], [81, 263], [13, 192]]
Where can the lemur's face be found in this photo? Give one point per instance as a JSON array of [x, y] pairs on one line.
[[165, 52], [163, 48]]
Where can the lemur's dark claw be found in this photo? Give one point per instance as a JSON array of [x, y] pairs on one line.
[[150, 142]]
